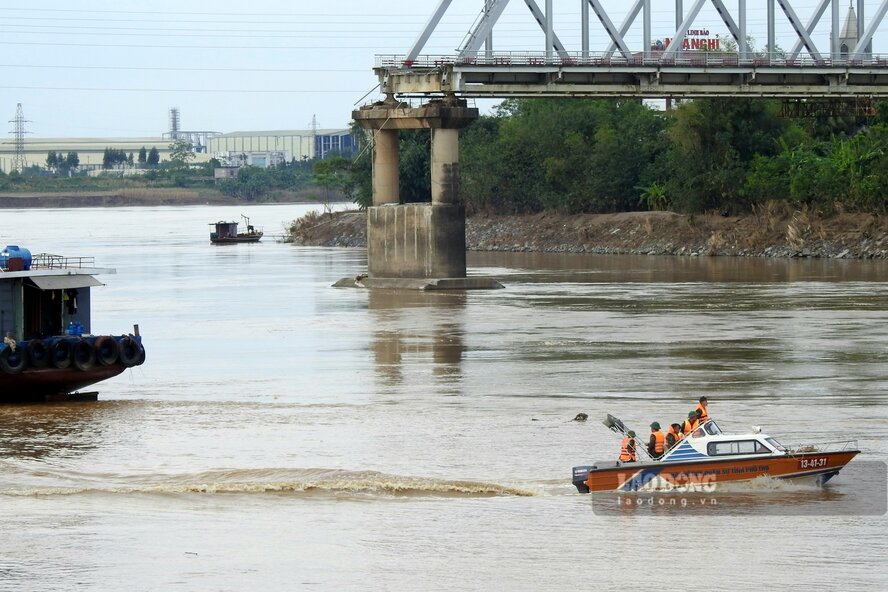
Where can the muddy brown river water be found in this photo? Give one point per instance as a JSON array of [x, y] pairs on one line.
[[286, 435]]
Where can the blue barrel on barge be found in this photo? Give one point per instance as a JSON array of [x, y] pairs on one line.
[[15, 258]]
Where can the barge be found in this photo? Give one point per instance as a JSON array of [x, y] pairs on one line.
[[48, 351], [227, 233]]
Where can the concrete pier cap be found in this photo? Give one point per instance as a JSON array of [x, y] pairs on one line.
[[391, 114], [417, 246]]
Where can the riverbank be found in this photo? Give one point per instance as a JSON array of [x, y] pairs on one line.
[[136, 196], [771, 232], [112, 198]]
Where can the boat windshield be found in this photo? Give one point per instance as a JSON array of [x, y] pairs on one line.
[[712, 429], [777, 445]]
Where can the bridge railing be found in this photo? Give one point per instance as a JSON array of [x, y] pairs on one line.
[[658, 59]]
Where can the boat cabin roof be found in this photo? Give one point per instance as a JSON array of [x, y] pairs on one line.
[[708, 440]]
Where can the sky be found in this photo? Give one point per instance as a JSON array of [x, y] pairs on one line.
[[108, 68]]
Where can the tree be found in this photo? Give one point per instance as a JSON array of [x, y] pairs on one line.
[[713, 143], [415, 149], [362, 176], [143, 156], [113, 157], [181, 153], [333, 173], [72, 161], [129, 159], [52, 160], [153, 157], [574, 156]]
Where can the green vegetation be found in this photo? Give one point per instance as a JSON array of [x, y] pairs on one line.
[[254, 183], [727, 155], [113, 157], [62, 163], [181, 153], [333, 174]]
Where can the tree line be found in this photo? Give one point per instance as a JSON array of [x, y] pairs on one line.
[[593, 155], [56, 161], [147, 158], [330, 178], [62, 172], [111, 157], [334, 176]]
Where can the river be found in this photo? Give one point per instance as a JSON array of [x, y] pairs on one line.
[[284, 434]]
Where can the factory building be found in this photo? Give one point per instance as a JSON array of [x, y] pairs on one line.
[[89, 150], [294, 144], [256, 148]]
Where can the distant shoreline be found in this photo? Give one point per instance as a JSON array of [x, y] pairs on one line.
[[132, 197]]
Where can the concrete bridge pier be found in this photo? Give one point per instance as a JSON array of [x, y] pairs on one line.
[[385, 168], [445, 166], [418, 245]]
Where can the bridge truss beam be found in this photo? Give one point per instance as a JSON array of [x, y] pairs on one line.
[[646, 72]]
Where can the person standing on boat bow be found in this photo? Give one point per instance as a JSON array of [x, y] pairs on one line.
[[627, 448], [657, 443], [702, 410]]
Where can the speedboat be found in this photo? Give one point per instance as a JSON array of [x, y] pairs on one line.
[[707, 456]]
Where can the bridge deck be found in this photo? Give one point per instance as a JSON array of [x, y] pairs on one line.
[[687, 74]]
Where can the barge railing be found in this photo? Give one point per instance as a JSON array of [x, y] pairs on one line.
[[49, 261]]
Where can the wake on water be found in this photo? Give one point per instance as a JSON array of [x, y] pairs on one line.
[[20, 481], [290, 481]]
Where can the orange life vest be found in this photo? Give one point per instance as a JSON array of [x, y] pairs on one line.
[[705, 415], [659, 442], [687, 427], [675, 437], [627, 453]]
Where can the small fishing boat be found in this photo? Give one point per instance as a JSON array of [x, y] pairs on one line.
[[47, 349], [227, 233], [707, 456]]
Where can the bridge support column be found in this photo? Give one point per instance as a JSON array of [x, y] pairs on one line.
[[417, 245], [445, 166], [386, 180]]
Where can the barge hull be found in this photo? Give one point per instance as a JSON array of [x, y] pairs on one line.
[[36, 384]]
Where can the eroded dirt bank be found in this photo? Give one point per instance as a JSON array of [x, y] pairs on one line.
[[769, 233]]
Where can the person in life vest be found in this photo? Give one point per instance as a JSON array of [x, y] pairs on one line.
[[689, 424], [673, 435], [677, 427], [702, 409], [657, 443], [627, 448]]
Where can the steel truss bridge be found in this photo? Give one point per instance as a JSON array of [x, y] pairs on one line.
[[844, 69]]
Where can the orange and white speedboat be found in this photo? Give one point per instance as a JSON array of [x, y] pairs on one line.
[[707, 456]]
